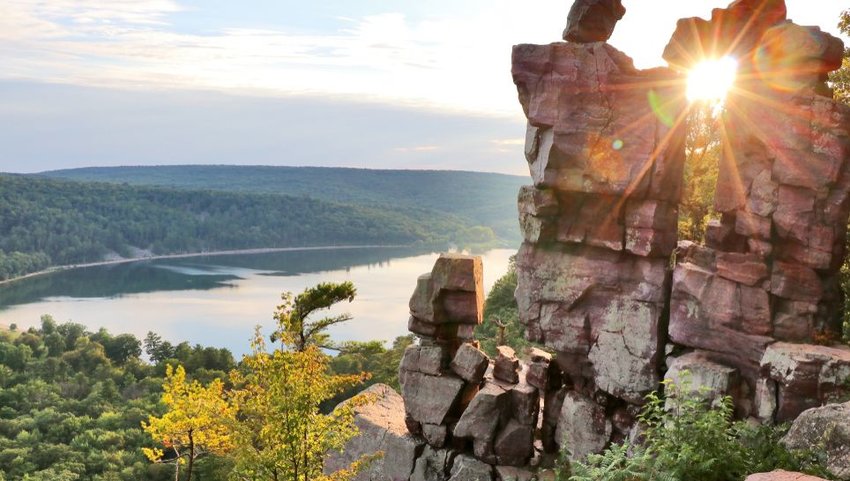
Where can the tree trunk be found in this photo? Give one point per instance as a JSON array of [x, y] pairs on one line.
[[191, 456]]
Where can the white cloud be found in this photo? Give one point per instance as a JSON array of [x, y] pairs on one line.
[[449, 60]]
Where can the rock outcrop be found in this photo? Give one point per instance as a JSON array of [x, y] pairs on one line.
[[781, 475], [826, 429], [593, 20], [605, 151], [382, 429], [765, 286], [603, 283], [741, 314]]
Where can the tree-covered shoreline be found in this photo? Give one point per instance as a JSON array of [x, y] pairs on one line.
[[46, 222]]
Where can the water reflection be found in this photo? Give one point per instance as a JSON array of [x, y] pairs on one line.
[[217, 301]]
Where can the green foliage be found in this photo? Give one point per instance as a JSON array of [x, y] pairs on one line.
[[280, 433], [45, 222], [840, 79], [371, 357], [472, 198], [295, 330], [71, 404], [687, 438], [196, 423], [501, 307], [701, 169]]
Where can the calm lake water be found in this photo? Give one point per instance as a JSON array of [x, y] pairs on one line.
[[217, 300]]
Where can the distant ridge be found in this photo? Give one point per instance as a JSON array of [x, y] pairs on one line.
[[479, 198]]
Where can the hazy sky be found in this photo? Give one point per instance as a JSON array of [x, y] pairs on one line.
[[363, 83]]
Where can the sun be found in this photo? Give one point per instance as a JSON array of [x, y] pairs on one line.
[[710, 80]]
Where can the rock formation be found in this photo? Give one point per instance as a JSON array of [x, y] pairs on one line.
[[605, 149], [828, 428], [593, 20], [766, 284], [780, 475], [603, 283]]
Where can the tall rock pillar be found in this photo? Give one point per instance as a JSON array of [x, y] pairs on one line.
[[605, 150], [765, 287]]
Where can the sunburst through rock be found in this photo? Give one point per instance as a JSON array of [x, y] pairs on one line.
[[711, 80]]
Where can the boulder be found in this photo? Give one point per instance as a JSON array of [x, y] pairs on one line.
[[382, 428], [512, 473], [481, 418], [525, 403], [735, 30], [796, 57], [514, 444], [467, 468], [470, 363], [435, 435], [780, 475], [805, 375], [582, 427], [428, 399], [432, 465], [701, 376], [452, 293], [593, 20], [506, 367], [828, 429]]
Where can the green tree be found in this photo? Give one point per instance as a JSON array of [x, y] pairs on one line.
[[280, 432], [840, 79], [197, 422], [702, 149], [295, 330], [501, 315]]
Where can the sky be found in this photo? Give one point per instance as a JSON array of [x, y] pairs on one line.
[[367, 83]]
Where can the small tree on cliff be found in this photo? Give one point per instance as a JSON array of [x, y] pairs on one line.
[[293, 328], [280, 432]]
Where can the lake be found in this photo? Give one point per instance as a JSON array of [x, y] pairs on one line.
[[217, 300]]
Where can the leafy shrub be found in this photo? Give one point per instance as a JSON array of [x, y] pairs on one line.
[[691, 439]]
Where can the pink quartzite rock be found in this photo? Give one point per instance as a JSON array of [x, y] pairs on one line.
[[582, 427], [470, 364], [451, 294], [781, 475], [735, 31], [806, 375], [828, 428], [514, 444], [506, 367], [481, 418], [382, 428], [593, 20], [428, 399], [597, 125]]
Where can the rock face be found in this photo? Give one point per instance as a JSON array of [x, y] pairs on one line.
[[593, 20], [827, 428], [780, 475], [382, 428], [603, 283], [768, 275], [605, 150], [454, 395]]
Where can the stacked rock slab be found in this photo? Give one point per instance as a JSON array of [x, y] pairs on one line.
[[476, 415], [766, 286], [605, 150]]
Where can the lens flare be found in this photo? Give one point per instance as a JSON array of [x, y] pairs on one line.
[[711, 80]]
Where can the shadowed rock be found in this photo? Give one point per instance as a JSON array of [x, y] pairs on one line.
[[593, 20]]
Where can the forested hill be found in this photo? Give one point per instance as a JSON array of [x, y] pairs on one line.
[[477, 198], [46, 222]]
